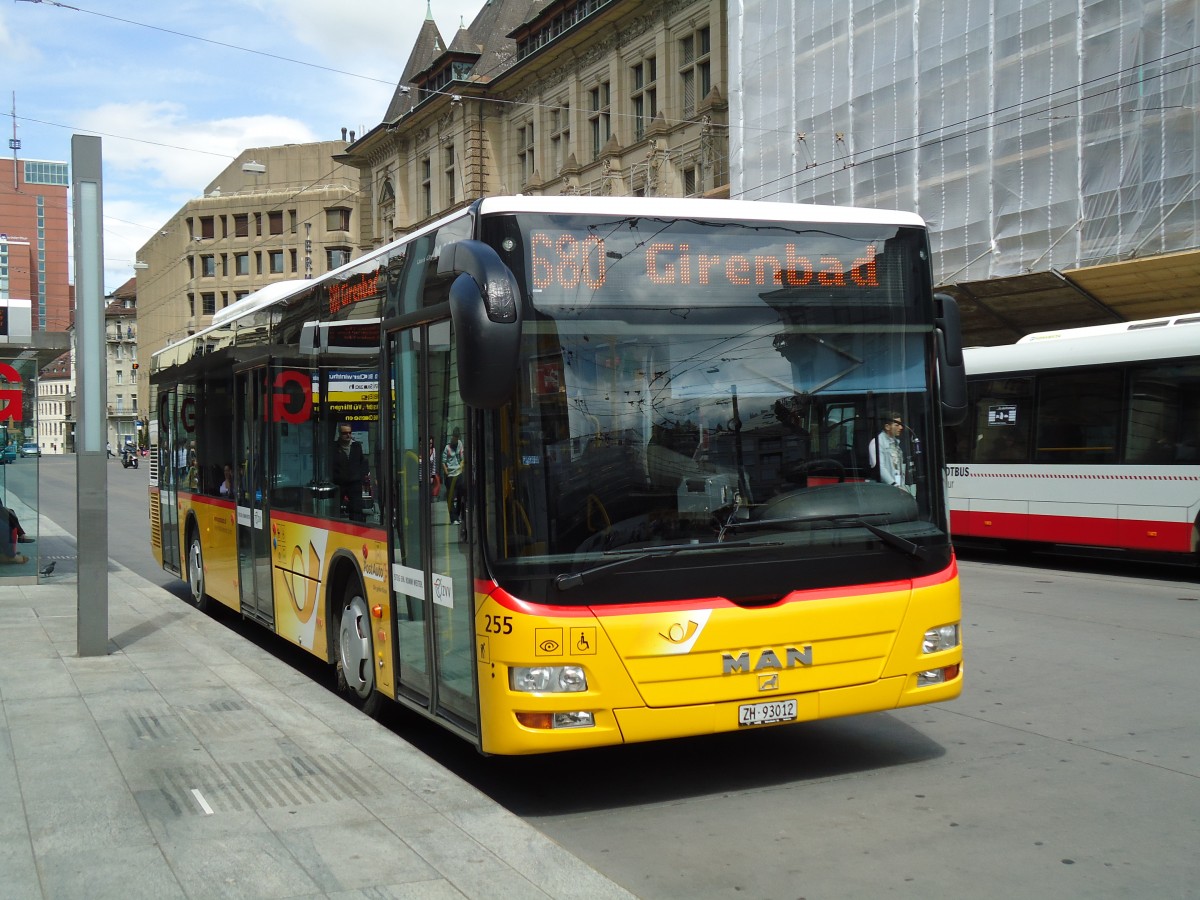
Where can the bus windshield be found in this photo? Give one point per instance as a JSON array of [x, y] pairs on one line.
[[710, 384]]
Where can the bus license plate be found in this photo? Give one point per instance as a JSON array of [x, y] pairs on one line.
[[766, 713]]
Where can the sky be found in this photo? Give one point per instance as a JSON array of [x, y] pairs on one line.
[[177, 90]]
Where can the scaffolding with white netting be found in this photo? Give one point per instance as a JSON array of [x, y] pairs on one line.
[[1030, 134]]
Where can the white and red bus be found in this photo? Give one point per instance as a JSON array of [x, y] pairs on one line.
[[1083, 438]]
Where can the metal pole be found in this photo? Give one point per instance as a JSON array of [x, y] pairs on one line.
[[91, 473]]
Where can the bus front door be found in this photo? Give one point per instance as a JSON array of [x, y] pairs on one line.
[[432, 589], [253, 545]]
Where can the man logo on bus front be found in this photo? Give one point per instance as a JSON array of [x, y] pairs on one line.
[[767, 660]]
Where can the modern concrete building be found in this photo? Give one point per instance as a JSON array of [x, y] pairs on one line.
[[614, 97], [274, 213], [34, 240]]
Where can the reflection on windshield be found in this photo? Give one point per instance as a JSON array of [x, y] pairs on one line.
[[655, 417]]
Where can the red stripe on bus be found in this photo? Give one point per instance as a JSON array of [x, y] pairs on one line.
[[201, 500], [375, 534], [1129, 534]]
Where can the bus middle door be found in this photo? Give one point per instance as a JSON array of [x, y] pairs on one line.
[[253, 541]]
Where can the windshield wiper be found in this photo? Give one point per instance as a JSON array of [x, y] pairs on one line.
[[889, 538], [893, 540], [566, 581]]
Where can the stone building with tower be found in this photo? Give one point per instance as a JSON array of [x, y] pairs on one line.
[[599, 97]]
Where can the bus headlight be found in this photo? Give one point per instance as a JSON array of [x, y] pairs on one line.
[[944, 637], [547, 679], [553, 720], [938, 676]]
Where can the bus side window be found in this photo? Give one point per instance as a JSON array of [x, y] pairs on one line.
[[1079, 416], [996, 428], [1164, 412]]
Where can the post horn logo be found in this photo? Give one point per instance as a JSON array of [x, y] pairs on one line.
[[678, 633]]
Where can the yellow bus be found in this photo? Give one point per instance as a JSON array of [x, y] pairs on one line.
[[563, 472]]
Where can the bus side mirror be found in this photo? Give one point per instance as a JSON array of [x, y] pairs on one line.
[[952, 372], [485, 305]]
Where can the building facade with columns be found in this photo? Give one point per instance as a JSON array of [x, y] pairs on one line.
[[55, 427], [124, 410], [597, 97]]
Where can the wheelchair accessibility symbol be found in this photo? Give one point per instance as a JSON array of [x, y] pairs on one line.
[[583, 641]]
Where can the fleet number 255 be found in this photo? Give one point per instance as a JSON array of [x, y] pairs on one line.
[[498, 624]]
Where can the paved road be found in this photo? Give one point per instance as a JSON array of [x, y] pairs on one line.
[[128, 519], [1069, 768]]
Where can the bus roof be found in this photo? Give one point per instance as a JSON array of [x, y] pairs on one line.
[[1113, 328], [697, 208], [267, 295], [1146, 341], [666, 207], [264, 296]]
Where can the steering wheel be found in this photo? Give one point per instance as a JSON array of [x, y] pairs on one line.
[[824, 465]]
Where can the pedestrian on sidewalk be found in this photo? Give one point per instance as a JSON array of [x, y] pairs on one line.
[[14, 534]]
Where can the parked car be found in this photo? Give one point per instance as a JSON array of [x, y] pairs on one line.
[[31, 448], [9, 454]]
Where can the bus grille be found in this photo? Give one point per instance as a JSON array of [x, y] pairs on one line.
[[793, 647], [155, 522]]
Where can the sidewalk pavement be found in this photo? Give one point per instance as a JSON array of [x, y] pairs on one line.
[[190, 763]]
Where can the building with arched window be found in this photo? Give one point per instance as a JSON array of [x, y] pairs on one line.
[[603, 97]]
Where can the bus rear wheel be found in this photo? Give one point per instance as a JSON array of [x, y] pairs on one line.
[[195, 570], [355, 653]]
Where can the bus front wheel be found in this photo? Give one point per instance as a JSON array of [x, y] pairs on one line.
[[355, 654]]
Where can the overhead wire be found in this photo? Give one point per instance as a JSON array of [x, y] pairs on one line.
[[195, 37], [540, 106], [882, 151]]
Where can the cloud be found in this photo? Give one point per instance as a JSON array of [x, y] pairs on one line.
[[13, 49], [175, 150], [174, 99], [379, 51], [163, 158]]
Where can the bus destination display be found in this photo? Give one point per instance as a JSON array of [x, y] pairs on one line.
[[566, 261]]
